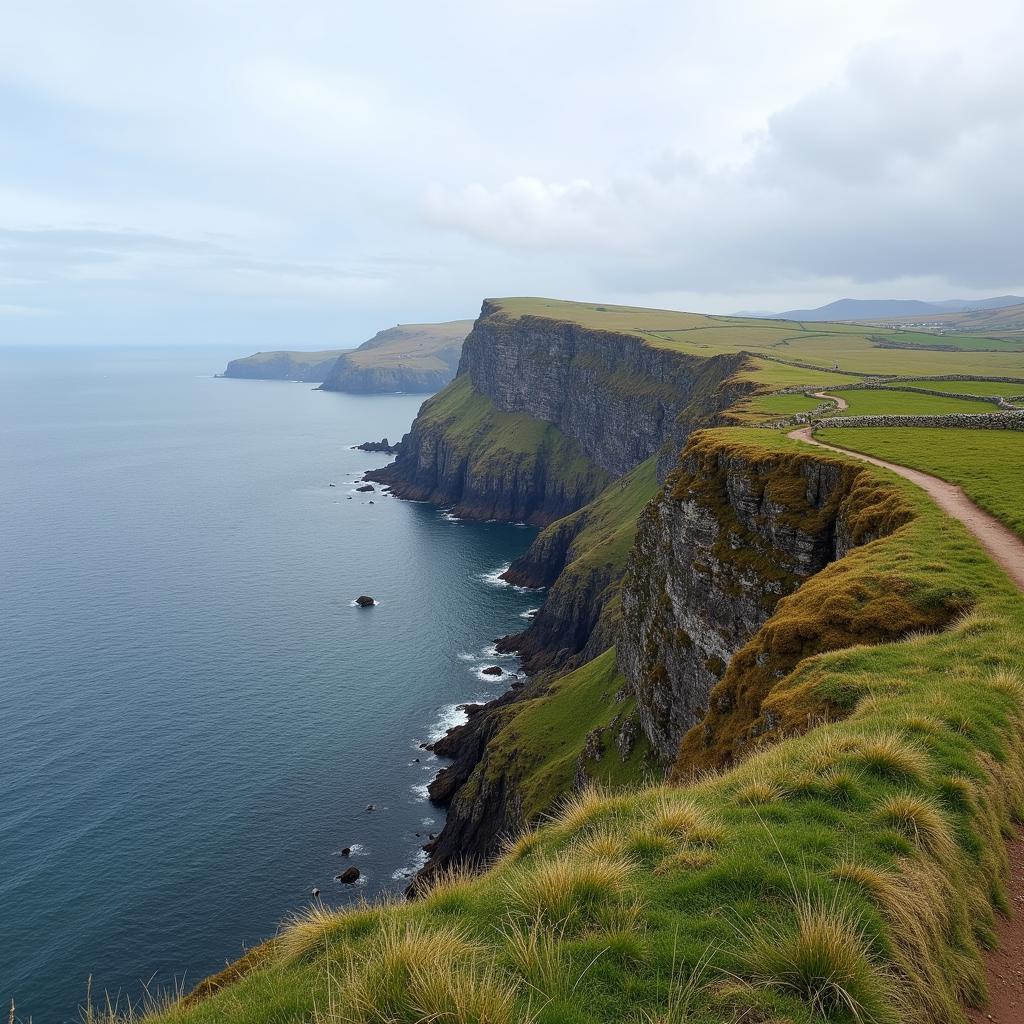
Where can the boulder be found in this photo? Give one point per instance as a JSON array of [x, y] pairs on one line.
[[348, 876], [493, 670], [364, 601], [366, 487]]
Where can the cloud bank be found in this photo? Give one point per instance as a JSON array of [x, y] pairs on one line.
[[244, 171]]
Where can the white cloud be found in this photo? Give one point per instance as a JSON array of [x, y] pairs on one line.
[[747, 153]]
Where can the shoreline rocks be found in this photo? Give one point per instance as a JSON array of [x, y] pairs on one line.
[[383, 446]]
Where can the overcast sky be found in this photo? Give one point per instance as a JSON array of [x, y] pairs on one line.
[[300, 174]]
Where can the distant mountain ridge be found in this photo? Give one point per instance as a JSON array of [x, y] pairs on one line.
[[877, 309]]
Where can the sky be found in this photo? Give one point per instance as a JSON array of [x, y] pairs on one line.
[[301, 174]]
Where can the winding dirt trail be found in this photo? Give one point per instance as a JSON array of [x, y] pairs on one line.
[[1004, 966], [1005, 547], [841, 403]]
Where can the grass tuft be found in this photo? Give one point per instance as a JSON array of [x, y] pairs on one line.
[[920, 820], [568, 893], [891, 756], [823, 958]]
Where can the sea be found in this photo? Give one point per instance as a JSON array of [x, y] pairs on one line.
[[195, 717]]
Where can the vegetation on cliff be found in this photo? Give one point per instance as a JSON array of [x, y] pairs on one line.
[[850, 873], [489, 464], [990, 468], [410, 357], [831, 843]]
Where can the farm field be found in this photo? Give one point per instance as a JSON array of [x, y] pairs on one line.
[[987, 464], [907, 403]]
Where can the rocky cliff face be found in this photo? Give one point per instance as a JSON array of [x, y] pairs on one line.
[[487, 464], [375, 380], [734, 531], [311, 367], [616, 397]]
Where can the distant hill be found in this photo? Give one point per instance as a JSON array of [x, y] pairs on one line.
[[994, 321], [304, 366], [410, 357], [879, 309]]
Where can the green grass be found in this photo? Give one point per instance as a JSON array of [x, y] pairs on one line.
[[806, 884], [853, 347], [970, 387], [540, 743], [413, 347], [490, 438], [774, 407], [907, 403], [987, 464]]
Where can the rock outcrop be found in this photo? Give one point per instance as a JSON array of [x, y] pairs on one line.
[[311, 367], [735, 531]]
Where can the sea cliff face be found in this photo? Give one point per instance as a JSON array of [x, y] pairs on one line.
[[616, 397], [311, 367], [739, 573]]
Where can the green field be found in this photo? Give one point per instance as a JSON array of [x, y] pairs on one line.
[[853, 347], [970, 387], [906, 403], [987, 464]]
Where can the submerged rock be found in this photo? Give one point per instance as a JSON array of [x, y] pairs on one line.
[[348, 876]]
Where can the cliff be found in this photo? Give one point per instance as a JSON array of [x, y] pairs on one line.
[[417, 358], [311, 367], [716, 603]]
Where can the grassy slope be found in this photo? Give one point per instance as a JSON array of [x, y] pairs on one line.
[[755, 883], [860, 860], [540, 743], [472, 424], [302, 358], [988, 464], [413, 346]]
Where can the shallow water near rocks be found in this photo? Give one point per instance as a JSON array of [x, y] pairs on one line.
[[193, 716]]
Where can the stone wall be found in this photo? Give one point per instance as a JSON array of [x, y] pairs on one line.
[[969, 421]]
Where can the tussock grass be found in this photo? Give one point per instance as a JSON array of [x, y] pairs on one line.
[[893, 756], [412, 974], [567, 892], [677, 816], [825, 959], [864, 889], [919, 819], [759, 791]]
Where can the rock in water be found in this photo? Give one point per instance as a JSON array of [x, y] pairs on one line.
[[348, 876], [364, 601], [346, 850], [493, 670], [366, 487]]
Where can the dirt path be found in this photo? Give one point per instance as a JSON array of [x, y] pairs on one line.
[[1004, 966], [1005, 547], [841, 403]]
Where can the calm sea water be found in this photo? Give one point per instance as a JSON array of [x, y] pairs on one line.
[[193, 717]]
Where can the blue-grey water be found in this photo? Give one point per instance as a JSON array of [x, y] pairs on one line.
[[193, 717]]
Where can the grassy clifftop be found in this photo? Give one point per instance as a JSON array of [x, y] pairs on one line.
[[832, 844], [848, 873]]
